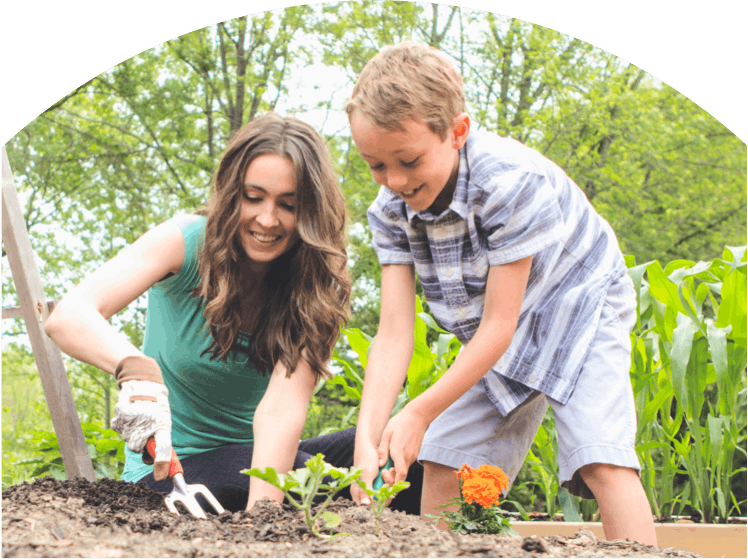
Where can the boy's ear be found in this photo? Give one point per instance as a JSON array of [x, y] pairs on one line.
[[460, 130]]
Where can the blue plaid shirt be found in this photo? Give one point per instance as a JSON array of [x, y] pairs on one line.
[[510, 202]]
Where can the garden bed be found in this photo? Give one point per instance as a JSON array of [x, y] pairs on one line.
[[113, 519]]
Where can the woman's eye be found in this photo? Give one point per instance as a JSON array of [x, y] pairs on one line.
[[251, 198], [289, 207]]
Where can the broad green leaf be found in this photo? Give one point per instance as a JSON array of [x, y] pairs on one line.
[[430, 322], [679, 356], [352, 392], [269, 475], [568, 507], [331, 519], [650, 410], [736, 256], [349, 370], [650, 445], [718, 348], [672, 266], [359, 343], [732, 310], [663, 289], [419, 370]]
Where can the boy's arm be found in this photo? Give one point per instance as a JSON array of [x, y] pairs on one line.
[[277, 426], [505, 292], [386, 370]]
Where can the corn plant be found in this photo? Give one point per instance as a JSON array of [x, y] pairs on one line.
[[690, 336]]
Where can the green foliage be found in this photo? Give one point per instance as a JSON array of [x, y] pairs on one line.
[[689, 376], [427, 365], [302, 486], [688, 372], [24, 410], [474, 518], [105, 447]]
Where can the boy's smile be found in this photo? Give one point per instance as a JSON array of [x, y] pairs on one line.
[[414, 163]]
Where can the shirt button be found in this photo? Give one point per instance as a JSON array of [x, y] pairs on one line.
[[449, 272]]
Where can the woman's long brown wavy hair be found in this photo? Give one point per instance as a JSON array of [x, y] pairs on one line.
[[305, 294]]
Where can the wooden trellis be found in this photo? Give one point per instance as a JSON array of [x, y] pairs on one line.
[[35, 309]]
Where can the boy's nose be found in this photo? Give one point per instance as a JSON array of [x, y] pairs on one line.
[[396, 180]]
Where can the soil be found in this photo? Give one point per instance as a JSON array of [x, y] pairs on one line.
[[114, 519]]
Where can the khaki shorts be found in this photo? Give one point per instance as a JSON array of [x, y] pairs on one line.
[[596, 425]]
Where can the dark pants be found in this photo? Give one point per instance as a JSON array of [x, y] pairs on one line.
[[219, 470]]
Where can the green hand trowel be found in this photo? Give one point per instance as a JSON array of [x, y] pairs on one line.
[[378, 481]]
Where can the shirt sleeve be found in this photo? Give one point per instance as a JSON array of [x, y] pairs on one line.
[[388, 229], [521, 216]]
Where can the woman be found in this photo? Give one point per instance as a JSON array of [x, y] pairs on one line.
[[245, 305]]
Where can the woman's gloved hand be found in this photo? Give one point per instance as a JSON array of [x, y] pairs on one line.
[[143, 410]]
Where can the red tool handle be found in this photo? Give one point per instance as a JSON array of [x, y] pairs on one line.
[[175, 467]]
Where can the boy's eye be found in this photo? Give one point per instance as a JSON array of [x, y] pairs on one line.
[[411, 163], [377, 167]]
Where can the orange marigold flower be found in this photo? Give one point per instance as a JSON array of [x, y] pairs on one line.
[[481, 491], [483, 485], [464, 472], [496, 474]]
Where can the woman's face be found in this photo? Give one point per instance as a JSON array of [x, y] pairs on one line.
[[268, 217]]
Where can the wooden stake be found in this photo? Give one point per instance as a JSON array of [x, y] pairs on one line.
[[35, 312]]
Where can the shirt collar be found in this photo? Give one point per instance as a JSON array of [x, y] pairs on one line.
[[459, 199]]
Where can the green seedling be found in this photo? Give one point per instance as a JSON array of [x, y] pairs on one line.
[[301, 486], [381, 494]]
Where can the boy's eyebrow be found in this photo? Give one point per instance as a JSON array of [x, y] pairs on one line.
[[405, 149], [259, 188]]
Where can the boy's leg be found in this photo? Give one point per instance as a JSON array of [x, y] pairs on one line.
[[440, 486], [472, 432], [597, 426], [624, 507]]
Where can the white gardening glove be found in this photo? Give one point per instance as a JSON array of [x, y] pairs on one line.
[[142, 410]]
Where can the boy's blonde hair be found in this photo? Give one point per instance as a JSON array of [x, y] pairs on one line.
[[406, 81]]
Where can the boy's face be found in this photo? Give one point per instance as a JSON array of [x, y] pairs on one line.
[[414, 163]]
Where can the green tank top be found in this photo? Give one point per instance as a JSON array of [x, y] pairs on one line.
[[212, 401]]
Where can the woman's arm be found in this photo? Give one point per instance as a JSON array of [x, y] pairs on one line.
[[277, 426], [79, 323]]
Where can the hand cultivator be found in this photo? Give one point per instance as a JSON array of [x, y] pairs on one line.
[[183, 492]]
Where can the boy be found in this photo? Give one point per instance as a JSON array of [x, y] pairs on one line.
[[515, 261]]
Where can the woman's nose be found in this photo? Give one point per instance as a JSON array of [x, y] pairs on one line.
[[268, 217]]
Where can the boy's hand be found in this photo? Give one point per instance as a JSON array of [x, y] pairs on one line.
[[402, 440], [365, 456]]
